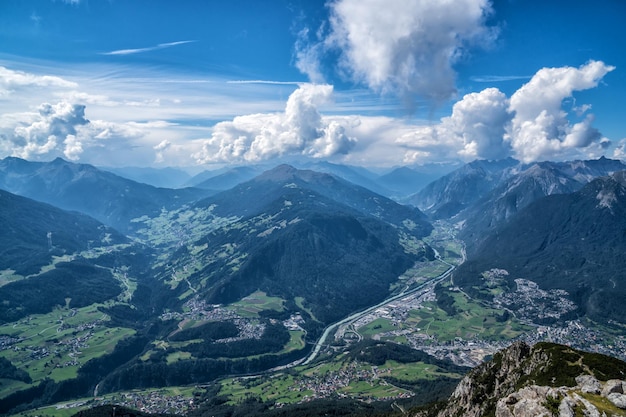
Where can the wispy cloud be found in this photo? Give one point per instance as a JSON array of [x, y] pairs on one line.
[[266, 82], [498, 78], [148, 49]]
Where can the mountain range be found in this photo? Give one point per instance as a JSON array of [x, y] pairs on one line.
[[572, 242], [301, 230], [177, 271], [484, 194], [558, 224], [396, 183], [113, 200]]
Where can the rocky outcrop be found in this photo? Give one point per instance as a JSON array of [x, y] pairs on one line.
[[544, 380], [527, 402], [588, 384]]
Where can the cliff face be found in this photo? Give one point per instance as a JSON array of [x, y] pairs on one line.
[[543, 380]]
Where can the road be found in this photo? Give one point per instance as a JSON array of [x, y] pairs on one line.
[[321, 342]]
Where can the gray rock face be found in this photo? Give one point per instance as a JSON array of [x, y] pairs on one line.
[[507, 387], [619, 400], [527, 402], [566, 408], [588, 384]]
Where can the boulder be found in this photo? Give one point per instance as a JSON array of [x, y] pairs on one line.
[[613, 385], [619, 400], [527, 402], [588, 384]]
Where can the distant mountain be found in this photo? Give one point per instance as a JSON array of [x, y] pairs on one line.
[[512, 195], [543, 380], [462, 187], [573, 242], [111, 199], [270, 185], [487, 192], [228, 179], [405, 181], [526, 184], [157, 177], [355, 175], [32, 233], [308, 235]]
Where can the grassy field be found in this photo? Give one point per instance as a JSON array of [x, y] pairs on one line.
[[69, 408], [418, 274], [8, 276], [341, 375], [177, 356], [279, 388], [54, 345], [255, 302], [295, 343], [379, 325], [473, 320]]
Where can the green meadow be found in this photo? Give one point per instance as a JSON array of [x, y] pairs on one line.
[[55, 345]]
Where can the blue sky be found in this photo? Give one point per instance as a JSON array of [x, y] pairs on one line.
[[363, 82]]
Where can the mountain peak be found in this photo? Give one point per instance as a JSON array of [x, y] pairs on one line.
[[285, 172], [278, 173]]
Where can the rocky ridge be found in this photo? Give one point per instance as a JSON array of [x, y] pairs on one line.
[[543, 380]]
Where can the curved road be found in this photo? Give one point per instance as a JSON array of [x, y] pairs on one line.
[[322, 340]]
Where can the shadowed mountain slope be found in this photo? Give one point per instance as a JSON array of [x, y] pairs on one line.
[[32, 233], [571, 241], [111, 199]]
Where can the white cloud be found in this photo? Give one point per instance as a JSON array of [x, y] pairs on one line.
[[299, 130], [405, 47], [530, 126], [540, 128], [43, 132], [145, 117], [73, 148], [11, 80], [474, 130], [148, 49], [620, 150], [160, 148], [60, 129], [308, 56]]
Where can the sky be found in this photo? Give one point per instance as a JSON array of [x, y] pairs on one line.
[[375, 83]]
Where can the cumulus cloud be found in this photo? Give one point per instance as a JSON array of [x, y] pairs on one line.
[[405, 47], [540, 128], [531, 125], [59, 129], [52, 125], [475, 129], [299, 130], [620, 150], [160, 149], [73, 148]]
